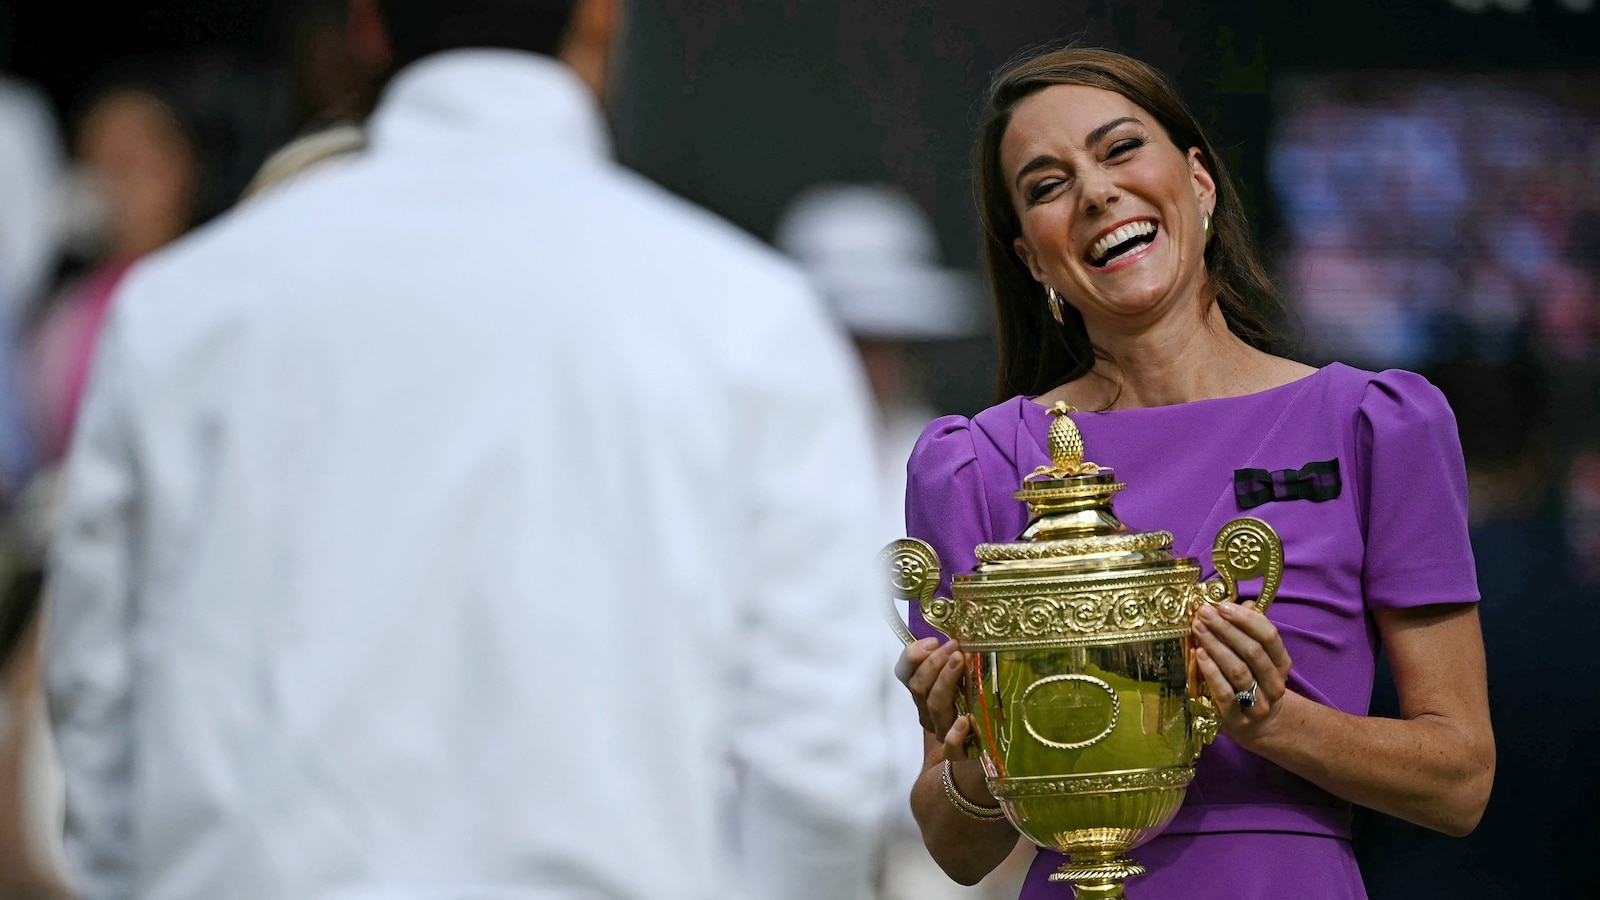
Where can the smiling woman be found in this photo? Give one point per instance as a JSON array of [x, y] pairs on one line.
[[1036, 105], [1126, 283]]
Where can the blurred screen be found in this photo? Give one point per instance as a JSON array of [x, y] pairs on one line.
[[1431, 218]]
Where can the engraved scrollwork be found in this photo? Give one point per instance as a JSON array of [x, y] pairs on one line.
[[1169, 603], [1086, 613], [1141, 542], [939, 611], [1036, 616], [1108, 782], [1124, 610], [1128, 610], [997, 618]]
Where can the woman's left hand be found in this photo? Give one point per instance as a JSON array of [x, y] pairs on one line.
[[1241, 655]]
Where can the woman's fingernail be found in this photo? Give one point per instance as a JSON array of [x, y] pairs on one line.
[[1200, 626], [1229, 610], [928, 644]]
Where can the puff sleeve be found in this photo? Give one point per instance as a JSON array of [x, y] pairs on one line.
[[1413, 495], [945, 503]]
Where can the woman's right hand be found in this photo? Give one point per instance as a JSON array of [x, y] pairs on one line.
[[932, 672]]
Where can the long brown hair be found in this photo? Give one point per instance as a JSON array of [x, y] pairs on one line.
[[1036, 354]]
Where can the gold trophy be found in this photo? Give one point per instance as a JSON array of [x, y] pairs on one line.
[[1080, 673]]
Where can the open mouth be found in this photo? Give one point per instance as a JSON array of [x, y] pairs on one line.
[[1122, 242]]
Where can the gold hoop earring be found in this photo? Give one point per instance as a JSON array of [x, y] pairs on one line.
[[1054, 300], [1205, 222]]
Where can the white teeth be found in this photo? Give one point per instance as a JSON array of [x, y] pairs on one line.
[[1132, 229]]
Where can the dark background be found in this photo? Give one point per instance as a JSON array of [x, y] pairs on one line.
[[740, 105]]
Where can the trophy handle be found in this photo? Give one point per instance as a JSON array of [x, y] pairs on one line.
[[1246, 547], [913, 575]]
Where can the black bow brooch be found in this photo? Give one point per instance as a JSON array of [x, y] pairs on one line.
[[1316, 481]]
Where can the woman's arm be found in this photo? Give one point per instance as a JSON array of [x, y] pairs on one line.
[[1434, 767], [964, 847]]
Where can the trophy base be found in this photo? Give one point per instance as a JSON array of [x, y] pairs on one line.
[[1099, 879]]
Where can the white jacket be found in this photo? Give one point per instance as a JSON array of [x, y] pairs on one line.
[[474, 520]]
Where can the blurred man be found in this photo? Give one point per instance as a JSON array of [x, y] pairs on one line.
[[470, 520]]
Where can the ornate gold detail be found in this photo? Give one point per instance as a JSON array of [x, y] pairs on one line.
[[1137, 542], [913, 575], [1246, 547], [1099, 783], [1203, 720], [1099, 874], [1065, 445], [1027, 615], [1075, 679]]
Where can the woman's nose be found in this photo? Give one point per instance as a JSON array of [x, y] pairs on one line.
[[1098, 192]]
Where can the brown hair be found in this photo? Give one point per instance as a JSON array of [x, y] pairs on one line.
[[1036, 354]]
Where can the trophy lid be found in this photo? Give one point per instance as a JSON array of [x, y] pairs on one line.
[[1071, 523]]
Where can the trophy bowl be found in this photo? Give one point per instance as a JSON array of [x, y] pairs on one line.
[[1080, 677]]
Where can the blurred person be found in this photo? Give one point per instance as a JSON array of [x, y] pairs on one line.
[[329, 83], [30, 165], [470, 519], [30, 168], [159, 144], [873, 257], [1582, 502], [872, 254], [1126, 285]]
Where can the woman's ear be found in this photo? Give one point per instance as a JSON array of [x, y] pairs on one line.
[[1205, 188], [1024, 251]]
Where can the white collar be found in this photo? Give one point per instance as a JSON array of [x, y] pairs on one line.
[[492, 99]]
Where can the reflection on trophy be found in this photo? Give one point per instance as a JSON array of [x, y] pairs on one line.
[[1079, 669]]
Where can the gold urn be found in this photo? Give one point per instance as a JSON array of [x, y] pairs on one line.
[[1080, 673]]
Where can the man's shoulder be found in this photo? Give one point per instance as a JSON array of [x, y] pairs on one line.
[[676, 226]]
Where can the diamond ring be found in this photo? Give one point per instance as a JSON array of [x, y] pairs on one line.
[[1247, 697]]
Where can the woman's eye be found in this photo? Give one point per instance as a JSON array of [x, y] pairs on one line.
[[1042, 189], [1121, 148]]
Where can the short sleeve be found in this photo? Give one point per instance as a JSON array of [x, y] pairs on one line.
[[945, 503], [1414, 496]]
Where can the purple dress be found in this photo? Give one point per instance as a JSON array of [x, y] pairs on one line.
[[1388, 530]]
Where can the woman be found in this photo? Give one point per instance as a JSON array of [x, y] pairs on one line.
[[1125, 284]]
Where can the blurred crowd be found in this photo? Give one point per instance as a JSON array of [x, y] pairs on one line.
[[1450, 227], [1434, 222], [1448, 224]]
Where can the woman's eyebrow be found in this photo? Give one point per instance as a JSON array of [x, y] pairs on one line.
[[1042, 161], [1095, 135]]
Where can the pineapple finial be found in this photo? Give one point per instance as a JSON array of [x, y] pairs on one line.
[[1065, 446]]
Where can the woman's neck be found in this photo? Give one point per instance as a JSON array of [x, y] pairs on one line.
[[1174, 361]]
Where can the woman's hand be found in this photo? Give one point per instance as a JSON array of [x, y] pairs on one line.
[[1241, 657], [932, 673]]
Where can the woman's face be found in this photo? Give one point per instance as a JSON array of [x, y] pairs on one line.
[[145, 166], [1111, 210]]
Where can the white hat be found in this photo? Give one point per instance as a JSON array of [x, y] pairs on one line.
[[872, 254]]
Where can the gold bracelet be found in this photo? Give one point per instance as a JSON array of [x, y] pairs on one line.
[[967, 807]]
